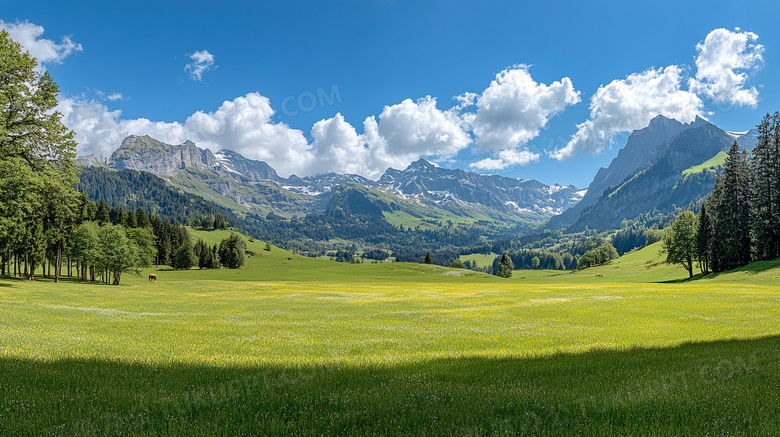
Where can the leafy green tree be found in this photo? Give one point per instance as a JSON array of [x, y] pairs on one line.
[[505, 266], [143, 239], [680, 242], [653, 236], [37, 155], [597, 256], [31, 128], [458, 264], [585, 261], [184, 257], [535, 262], [116, 252], [86, 243], [232, 252]]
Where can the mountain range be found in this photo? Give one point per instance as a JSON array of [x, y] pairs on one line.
[[423, 189], [664, 166]]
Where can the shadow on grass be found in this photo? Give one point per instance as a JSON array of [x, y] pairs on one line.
[[752, 268], [685, 390]]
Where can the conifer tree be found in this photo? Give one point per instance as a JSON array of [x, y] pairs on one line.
[[232, 252], [102, 214], [703, 239], [764, 184], [731, 214], [505, 266]]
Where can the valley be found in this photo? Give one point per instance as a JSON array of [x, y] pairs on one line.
[[292, 345]]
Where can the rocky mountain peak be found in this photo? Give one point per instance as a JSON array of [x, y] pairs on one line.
[[147, 154]]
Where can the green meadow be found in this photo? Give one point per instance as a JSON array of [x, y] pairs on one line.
[[298, 346]]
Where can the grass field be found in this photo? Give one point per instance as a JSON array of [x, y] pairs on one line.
[[482, 260], [299, 346]]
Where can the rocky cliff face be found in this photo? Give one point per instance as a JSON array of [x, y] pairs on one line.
[[642, 149], [232, 164], [662, 185], [144, 153]]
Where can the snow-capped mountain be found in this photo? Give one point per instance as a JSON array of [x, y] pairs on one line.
[[234, 180], [508, 195]]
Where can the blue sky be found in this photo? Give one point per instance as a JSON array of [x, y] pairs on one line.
[[357, 86]]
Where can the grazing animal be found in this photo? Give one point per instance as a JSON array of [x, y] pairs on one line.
[[152, 277], [599, 276]]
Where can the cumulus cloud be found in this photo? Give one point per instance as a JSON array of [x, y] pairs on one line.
[[45, 51], [720, 64], [404, 133], [337, 145], [115, 96], [202, 61], [723, 63], [399, 135], [514, 108], [507, 158], [99, 130], [243, 124], [420, 128], [628, 104]]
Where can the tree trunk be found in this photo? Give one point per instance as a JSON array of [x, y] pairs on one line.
[[116, 277], [58, 265]]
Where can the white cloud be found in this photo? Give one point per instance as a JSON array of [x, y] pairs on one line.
[[720, 64], [243, 124], [115, 96], [507, 158], [401, 134], [45, 51], [337, 146], [514, 108], [628, 104], [202, 61], [419, 128], [99, 130]]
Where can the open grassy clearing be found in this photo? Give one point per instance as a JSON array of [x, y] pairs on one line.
[[481, 259], [301, 346], [711, 164]]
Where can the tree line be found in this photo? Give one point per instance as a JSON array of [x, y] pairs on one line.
[[739, 222]]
